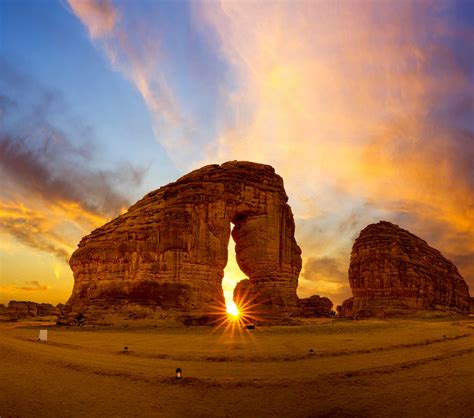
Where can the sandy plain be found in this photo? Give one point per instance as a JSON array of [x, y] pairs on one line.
[[366, 368]]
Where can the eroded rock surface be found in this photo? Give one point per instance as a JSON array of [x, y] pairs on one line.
[[394, 271], [167, 253]]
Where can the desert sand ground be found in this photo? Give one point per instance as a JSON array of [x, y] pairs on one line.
[[369, 368]]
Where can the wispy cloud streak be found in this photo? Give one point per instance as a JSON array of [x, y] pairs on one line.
[[135, 50]]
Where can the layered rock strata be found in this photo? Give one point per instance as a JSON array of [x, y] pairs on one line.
[[394, 271], [167, 253]]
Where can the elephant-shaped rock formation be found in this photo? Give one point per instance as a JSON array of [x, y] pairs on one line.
[[167, 253]]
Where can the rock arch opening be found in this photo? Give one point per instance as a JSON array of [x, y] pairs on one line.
[[232, 275]]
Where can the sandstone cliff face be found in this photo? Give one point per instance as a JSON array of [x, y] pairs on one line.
[[169, 250], [393, 270]]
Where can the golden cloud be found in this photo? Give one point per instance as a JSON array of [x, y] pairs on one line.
[[34, 286], [31, 286]]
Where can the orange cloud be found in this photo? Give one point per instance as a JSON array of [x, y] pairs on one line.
[[32, 286], [99, 16], [48, 207], [54, 227]]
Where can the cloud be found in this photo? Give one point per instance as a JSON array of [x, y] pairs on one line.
[[33, 230], [52, 194], [324, 267], [99, 16], [34, 286], [133, 47], [46, 174], [31, 286], [323, 276], [365, 110]]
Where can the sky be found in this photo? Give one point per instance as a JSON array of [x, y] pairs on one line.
[[365, 108]]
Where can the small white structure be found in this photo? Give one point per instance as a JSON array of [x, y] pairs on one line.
[[43, 335]]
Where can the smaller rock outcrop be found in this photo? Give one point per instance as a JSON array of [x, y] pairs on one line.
[[345, 310], [246, 294], [315, 306], [395, 272], [25, 309]]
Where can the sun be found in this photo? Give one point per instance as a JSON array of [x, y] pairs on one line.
[[232, 310]]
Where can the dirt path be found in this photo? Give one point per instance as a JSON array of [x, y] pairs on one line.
[[415, 377]]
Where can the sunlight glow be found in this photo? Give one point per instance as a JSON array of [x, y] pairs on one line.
[[234, 317], [232, 275], [232, 309]]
